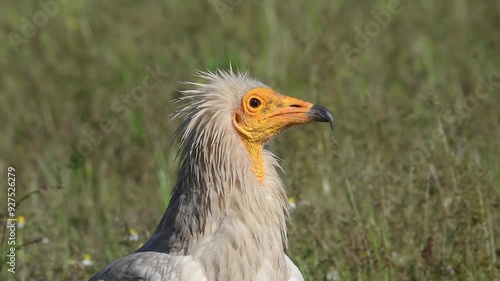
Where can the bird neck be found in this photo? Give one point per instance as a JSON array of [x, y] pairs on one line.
[[220, 195], [228, 202], [255, 151]]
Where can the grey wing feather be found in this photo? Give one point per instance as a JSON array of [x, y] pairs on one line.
[[152, 266]]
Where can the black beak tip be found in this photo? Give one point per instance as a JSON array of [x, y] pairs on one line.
[[321, 114]]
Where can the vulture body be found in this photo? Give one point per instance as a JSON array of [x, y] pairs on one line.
[[227, 215]]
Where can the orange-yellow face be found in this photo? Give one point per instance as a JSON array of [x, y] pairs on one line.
[[263, 113]]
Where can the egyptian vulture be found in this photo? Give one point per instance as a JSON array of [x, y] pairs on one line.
[[227, 215]]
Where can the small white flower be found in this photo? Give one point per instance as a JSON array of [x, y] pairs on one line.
[[87, 260], [133, 235], [291, 203], [21, 222]]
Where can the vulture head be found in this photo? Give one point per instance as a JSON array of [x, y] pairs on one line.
[[239, 107]]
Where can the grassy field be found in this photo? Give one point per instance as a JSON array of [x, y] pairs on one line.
[[407, 187]]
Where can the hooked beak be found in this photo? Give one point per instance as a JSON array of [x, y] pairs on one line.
[[321, 114], [293, 111]]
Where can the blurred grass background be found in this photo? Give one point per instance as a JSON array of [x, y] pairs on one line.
[[406, 188]]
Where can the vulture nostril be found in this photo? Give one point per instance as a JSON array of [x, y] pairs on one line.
[[295, 105]]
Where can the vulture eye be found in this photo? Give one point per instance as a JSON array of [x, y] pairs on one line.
[[254, 103]]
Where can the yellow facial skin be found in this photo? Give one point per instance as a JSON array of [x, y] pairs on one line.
[[264, 114]]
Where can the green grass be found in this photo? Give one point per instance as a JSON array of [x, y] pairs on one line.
[[407, 187]]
